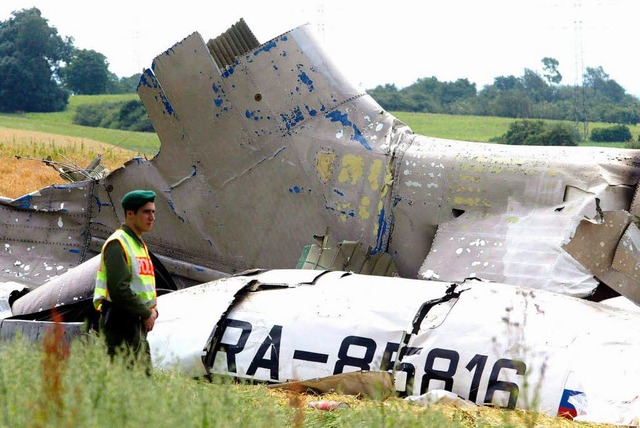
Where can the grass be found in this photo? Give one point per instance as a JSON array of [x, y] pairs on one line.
[[60, 123], [480, 128], [22, 176], [54, 384], [466, 128]]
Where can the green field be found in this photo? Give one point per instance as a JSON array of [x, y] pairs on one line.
[[466, 128], [60, 123], [479, 128]]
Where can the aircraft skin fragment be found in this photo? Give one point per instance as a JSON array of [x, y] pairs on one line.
[[283, 331]]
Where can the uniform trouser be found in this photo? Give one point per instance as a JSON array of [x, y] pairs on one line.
[[125, 335]]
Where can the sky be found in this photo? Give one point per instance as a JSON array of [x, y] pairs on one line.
[[375, 42]]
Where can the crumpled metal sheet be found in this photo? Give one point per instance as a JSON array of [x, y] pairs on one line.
[[503, 213], [609, 249]]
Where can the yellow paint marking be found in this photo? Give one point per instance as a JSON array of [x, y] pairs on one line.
[[324, 165], [352, 167], [374, 173], [363, 212]]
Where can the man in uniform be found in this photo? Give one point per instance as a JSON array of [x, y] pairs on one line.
[[125, 292]]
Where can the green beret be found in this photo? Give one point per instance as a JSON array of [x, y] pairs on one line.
[[137, 198]]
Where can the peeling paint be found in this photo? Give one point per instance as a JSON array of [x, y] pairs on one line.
[[292, 119], [374, 173], [363, 211], [352, 167], [265, 48], [337, 116], [306, 81], [324, 165]]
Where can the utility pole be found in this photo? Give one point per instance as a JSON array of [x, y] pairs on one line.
[[579, 96]]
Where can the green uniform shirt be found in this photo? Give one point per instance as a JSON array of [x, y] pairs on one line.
[[119, 278]]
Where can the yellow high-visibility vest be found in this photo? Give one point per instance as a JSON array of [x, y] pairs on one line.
[[143, 282]]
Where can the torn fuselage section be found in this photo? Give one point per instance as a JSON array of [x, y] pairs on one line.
[[504, 213], [486, 342]]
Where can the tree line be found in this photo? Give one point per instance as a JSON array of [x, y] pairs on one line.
[[39, 70], [598, 99]]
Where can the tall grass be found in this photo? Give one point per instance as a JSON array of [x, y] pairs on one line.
[[28, 173], [53, 383]]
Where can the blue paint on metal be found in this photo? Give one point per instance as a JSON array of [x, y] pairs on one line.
[[312, 112], [265, 48], [100, 204], [337, 116], [253, 114], [147, 79], [296, 189], [382, 230], [198, 269], [24, 201], [306, 80], [217, 101], [350, 213], [292, 120], [215, 88], [195, 170], [338, 192], [173, 208], [229, 71], [357, 135], [73, 250], [167, 105]]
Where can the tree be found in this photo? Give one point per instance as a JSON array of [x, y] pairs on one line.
[[535, 87], [538, 133], [387, 96], [506, 83], [31, 54], [124, 85], [550, 67], [87, 73]]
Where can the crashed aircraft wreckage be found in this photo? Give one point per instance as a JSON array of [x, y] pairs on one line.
[[265, 145]]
